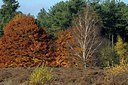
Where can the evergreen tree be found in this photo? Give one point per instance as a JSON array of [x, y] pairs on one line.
[[7, 12], [60, 16], [76, 6], [114, 15], [43, 18]]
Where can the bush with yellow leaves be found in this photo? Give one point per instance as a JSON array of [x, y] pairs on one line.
[[121, 50], [119, 69], [40, 76], [115, 75]]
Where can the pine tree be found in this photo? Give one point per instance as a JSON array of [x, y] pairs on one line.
[[7, 12], [114, 16], [76, 6], [43, 18], [60, 16]]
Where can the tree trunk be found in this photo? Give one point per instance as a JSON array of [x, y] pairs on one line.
[[84, 57]]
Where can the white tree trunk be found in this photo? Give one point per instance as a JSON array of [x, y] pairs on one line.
[[85, 35]]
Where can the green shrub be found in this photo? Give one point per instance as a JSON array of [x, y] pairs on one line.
[[108, 56], [40, 76]]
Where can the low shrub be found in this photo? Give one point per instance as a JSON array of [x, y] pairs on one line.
[[117, 75], [40, 76]]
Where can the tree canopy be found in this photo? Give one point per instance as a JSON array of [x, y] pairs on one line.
[[7, 12]]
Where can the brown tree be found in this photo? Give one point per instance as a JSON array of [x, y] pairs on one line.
[[25, 44], [63, 51]]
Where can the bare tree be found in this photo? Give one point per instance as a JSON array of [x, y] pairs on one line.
[[86, 35]]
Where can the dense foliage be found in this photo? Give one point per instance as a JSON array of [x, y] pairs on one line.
[[60, 16], [24, 43], [69, 34], [114, 16], [7, 11]]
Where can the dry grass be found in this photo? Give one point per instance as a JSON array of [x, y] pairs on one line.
[[117, 75], [66, 76]]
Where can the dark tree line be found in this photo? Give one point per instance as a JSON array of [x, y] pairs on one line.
[[113, 15]]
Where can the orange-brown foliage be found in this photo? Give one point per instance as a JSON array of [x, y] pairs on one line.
[[25, 44], [63, 51]]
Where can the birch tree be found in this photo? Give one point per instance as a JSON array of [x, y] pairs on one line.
[[86, 35]]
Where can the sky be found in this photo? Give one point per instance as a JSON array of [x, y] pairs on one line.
[[34, 6]]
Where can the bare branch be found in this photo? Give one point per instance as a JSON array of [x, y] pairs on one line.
[[85, 35]]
